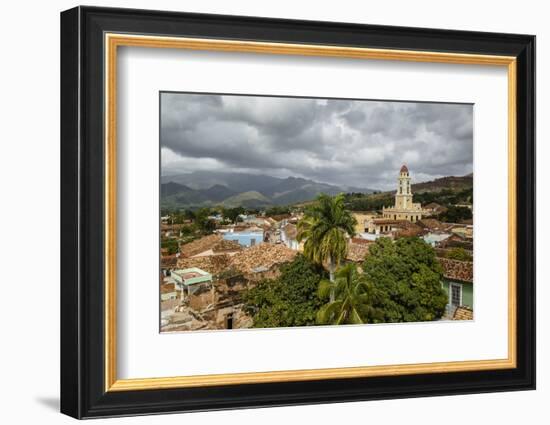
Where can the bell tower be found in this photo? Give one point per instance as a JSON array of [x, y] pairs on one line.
[[403, 196]]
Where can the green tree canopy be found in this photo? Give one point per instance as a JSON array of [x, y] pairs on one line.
[[405, 279], [204, 224], [232, 213], [459, 254], [456, 214], [171, 245], [277, 210], [289, 300]]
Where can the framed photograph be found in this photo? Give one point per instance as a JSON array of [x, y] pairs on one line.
[[261, 212]]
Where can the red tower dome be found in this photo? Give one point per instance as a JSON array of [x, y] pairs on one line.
[[404, 169]]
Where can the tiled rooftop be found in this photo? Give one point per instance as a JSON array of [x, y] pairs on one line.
[[168, 261], [213, 264], [406, 228], [166, 288], [357, 252], [384, 221], [291, 231], [431, 224], [263, 255], [457, 270], [200, 245], [226, 246], [360, 241], [463, 313], [432, 205]]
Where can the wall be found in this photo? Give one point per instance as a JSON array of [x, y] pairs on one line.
[[467, 292], [29, 176], [245, 238]]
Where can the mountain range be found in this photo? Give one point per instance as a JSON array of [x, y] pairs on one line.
[[207, 188]]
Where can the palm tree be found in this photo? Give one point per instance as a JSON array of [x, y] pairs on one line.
[[351, 303], [325, 227]]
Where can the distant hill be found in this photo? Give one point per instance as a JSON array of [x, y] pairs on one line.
[[218, 193], [171, 188], [201, 188], [238, 182], [174, 194], [250, 199], [450, 183]]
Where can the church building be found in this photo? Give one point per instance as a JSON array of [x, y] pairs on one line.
[[404, 208]]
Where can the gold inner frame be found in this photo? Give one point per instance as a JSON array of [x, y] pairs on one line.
[[113, 41]]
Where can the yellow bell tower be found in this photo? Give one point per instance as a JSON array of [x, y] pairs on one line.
[[403, 196], [404, 208]]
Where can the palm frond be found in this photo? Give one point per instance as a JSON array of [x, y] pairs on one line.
[[326, 225], [324, 288], [328, 312], [355, 318]]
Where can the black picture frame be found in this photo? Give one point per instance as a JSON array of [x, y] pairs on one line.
[[83, 392]]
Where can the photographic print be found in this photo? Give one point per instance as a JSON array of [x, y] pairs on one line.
[[287, 211]]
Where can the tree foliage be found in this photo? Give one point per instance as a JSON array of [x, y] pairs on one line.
[[368, 202], [405, 279], [203, 222], [289, 300], [352, 304], [277, 210], [171, 245], [446, 197], [456, 214], [459, 254], [232, 214]]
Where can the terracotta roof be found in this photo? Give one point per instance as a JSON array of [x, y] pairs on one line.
[[360, 241], [264, 255], [200, 245], [457, 270], [357, 252], [404, 169], [431, 223], [384, 221], [213, 264], [432, 205], [226, 246], [166, 288], [463, 313], [405, 224], [168, 260], [291, 231], [457, 237], [406, 228]]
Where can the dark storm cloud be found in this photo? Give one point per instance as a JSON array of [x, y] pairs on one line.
[[355, 143]]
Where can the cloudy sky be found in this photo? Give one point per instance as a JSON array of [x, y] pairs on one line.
[[343, 142]]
